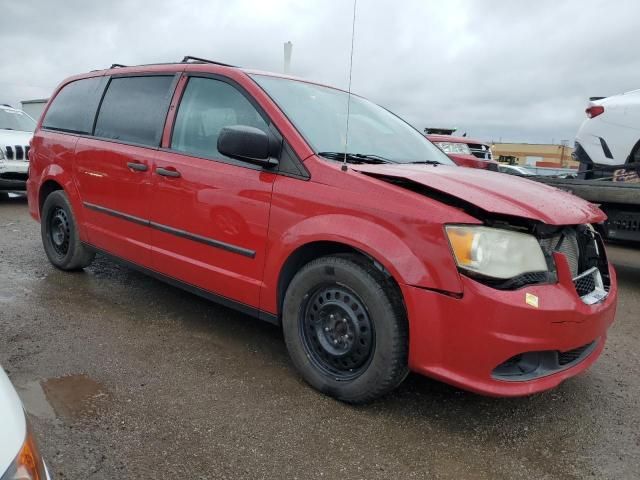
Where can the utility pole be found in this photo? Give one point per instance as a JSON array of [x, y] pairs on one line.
[[564, 144], [288, 46]]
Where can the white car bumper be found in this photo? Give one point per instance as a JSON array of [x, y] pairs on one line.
[[13, 174]]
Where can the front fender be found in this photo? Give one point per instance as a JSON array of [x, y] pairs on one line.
[[387, 247]]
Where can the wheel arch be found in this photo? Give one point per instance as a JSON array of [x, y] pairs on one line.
[[634, 155], [320, 248], [48, 187], [56, 178]]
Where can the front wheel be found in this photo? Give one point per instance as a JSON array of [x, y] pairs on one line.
[[346, 329], [60, 236]]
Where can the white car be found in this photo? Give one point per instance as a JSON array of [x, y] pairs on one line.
[[16, 130], [515, 170], [610, 136], [19, 455]]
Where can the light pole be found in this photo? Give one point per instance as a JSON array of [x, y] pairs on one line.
[[288, 46]]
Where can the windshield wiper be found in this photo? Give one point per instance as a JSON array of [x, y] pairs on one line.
[[356, 157], [427, 162]]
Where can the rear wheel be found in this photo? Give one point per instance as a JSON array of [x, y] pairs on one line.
[[60, 236], [346, 329]]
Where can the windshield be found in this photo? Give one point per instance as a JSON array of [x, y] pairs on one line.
[[320, 115], [16, 120]]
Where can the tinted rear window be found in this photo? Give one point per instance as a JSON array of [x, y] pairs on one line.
[[74, 108], [134, 109]]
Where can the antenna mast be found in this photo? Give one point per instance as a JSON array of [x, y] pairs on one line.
[[346, 136]]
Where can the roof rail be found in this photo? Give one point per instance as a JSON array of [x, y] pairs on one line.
[[117, 65], [189, 58]]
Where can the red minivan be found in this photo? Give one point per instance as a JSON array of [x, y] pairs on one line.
[[234, 184]]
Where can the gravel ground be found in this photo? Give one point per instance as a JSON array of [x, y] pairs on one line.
[[126, 377]]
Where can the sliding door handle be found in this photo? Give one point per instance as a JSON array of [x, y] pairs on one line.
[[168, 172], [137, 166]]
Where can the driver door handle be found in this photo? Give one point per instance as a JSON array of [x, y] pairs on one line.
[[168, 172], [137, 166]]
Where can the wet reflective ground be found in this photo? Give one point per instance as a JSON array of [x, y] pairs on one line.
[[127, 377]]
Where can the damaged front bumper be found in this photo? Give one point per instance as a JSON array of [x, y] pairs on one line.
[[508, 343]]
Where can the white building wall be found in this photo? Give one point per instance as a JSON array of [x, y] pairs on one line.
[[33, 108]]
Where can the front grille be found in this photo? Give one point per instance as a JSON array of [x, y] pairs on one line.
[[481, 151], [585, 255], [590, 286], [565, 242], [17, 152], [584, 284]]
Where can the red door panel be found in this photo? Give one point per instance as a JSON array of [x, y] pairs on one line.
[[114, 182], [209, 225]]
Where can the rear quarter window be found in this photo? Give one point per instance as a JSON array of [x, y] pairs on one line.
[[134, 109], [73, 110]]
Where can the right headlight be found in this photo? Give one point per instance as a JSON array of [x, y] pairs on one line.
[[495, 252], [454, 147]]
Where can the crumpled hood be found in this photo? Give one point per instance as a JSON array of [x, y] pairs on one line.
[[496, 193]]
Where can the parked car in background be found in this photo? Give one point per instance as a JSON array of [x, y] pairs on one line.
[[464, 151], [19, 455], [235, 185], [608, 148], [610, 136], [516, 170], [16, 130]]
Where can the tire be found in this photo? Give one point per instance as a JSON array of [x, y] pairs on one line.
[[345, 328], [60, 236], [635, 154]]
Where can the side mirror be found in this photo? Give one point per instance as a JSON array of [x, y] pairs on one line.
[[246, 143]]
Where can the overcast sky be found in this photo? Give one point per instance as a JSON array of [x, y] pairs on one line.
[[510, 70]]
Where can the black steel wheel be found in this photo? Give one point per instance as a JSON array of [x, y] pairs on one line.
[[60, 236], [337, 331], [346, 329], [59, 231]]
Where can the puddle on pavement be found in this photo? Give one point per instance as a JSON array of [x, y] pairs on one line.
[[73, 396]]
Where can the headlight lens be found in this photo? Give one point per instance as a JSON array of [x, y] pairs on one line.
[[495, 252], [1, 154], [452, 147], [28, 464]]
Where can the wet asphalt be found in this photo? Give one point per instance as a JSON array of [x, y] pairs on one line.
[[126, 377]]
